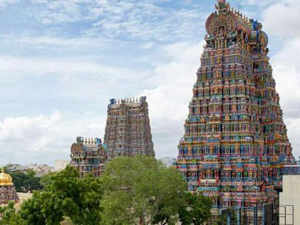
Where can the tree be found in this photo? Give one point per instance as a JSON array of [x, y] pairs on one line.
[[46, 180], [141, 190], [66, 196], [196, 209], [8, 215], [25, 182]]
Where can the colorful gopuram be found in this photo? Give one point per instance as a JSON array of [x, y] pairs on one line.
[[89, 156], [128, 131], [235, 144], [7, 189]]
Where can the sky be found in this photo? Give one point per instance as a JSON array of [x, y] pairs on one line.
[[62, 60]]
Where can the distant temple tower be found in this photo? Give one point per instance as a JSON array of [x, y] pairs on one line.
[[128, 131], [89, 156], [235, 144], [7, 189]]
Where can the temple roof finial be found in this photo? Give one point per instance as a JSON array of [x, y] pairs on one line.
[[221, 1]]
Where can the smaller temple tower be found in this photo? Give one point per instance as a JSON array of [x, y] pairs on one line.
[[7, 189], [128, 131], [89, 155]]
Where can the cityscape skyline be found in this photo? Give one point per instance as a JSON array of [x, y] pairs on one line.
[[62, 62]]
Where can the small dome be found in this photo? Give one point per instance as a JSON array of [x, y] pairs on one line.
[[5, 179]]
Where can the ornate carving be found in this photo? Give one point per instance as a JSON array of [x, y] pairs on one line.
[[221, 24]]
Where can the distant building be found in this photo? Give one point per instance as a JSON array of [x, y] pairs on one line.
[[60, 165], [128, 131], [14, 168], [40, 170], [290, 197], [298, 162], [88, 156], [168, 161], [7, 189]]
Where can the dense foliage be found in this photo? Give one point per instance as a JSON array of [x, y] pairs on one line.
[[66, 196], [9, 215], [137, 190], [142, 190], [25, 182]]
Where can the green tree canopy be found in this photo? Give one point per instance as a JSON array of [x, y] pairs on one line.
[[46, 180], [66, 196], [195, 210], [133, 190], [141, 190], [25, 182], [8, 215]]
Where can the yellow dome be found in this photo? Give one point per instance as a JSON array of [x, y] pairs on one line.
[[5, 179]]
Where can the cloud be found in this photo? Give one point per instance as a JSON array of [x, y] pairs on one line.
[[286, 72], [67, 11], [5, 3], [293, 125], [168, 101], [66, 68], [54, 43], [121, 19], [146, 21], [281, 19], [41, 139], [258, 2]]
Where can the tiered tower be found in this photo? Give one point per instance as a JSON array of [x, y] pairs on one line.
[[7, 189], [89, 156], [128, 130], [235, 144]]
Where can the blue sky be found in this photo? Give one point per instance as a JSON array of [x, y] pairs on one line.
[[62, 60]]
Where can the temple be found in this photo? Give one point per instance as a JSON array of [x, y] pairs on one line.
[[128, 131], [7, 189], [235, 145], [89, 156]]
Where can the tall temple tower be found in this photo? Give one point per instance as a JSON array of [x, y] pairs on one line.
[[235, 144], [89, 156], [128, 130]]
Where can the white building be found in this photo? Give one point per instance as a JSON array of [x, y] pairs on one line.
[[60, 165], [291, 197]]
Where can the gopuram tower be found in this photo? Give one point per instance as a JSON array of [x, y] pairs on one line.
[[128, 131], [88, 156], [235, 144]]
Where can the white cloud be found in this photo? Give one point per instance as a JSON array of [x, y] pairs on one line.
[[5, 3], [43, 138], [129, 19], [54, 11], [66, 68], [293, 125], [55, 43], [286, 66], [259, 2], [168, 102], [282, 19]]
